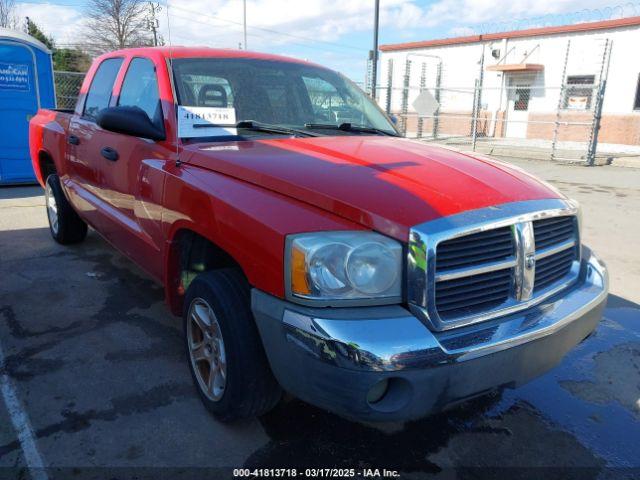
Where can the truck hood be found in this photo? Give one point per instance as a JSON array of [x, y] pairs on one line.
[[386, 184]]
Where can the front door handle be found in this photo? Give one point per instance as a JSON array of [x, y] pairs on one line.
[[73, 140], [109, 153]]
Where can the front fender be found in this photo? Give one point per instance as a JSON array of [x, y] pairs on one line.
[[248, 222]]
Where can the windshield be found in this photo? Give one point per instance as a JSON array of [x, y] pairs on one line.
[[275, 93]]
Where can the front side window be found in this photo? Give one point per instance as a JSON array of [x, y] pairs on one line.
[[101, 87], [636, 104], [285, 94], [140, 89]]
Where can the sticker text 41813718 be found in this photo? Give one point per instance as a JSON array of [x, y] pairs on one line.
[[206, 122]]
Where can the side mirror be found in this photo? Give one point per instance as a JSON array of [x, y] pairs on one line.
[[129, 121], [394, 119]]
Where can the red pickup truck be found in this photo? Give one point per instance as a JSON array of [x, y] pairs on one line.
[[307, 246]]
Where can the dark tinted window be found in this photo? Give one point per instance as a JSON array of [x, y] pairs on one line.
[[100, 90], [140, 89], [636, 104]]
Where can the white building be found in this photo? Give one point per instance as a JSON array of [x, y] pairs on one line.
[[521, 74]]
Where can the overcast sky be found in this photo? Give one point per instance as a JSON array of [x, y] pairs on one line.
[[335, 33]]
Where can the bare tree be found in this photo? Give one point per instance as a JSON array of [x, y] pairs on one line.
[[8, 17], [114, 24]]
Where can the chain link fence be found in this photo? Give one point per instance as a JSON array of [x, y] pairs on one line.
[[505, 109], [67, 86]]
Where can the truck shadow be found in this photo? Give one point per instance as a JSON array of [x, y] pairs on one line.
[[20, 191], [304, 436]]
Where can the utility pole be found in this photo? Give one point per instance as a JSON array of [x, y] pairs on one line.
[[153, 22], [374, 59], [244, 13], [244, 10]]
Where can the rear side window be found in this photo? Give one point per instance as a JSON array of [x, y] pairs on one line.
[[140, 89], [100, 90]]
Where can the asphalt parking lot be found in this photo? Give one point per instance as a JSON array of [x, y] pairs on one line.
[[95, 382]]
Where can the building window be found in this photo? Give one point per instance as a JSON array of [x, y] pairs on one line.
[[579, 92], [521, 102], [636, 104]]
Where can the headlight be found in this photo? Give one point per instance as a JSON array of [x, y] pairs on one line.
[[343, 268]]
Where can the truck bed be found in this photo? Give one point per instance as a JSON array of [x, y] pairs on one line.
[[48, 133]]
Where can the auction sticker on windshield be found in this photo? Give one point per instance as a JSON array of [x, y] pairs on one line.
[[206, 121]]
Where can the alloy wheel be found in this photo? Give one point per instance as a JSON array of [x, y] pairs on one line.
[[52, 208], [206, 349]]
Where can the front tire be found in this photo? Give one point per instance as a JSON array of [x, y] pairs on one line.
[[64, 223], [224, 350]]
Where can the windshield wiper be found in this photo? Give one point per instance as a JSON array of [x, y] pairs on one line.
[[350, 127], [268, 128]]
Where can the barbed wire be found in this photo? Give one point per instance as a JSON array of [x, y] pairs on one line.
[[630, 9]]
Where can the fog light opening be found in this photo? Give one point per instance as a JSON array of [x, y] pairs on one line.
[[390, 394], [378, 391]]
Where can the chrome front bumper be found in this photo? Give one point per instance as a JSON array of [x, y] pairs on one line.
[[333, 357]]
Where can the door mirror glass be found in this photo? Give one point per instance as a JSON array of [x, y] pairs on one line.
[[129, 121]]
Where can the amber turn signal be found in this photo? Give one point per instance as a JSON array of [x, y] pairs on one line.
[[299, 281]]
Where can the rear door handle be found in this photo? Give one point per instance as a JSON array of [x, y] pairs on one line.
[[73, 140], [109, 153]]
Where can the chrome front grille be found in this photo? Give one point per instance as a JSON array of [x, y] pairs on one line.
[[482, 247], [553, 268], [557, 239], [463, 286], [551, 231], [476, 293], [476, 268], [466, 294]]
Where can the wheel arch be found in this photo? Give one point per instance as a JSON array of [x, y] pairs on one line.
[[46, 166], [189, 253]]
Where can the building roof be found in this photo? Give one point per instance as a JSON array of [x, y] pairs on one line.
[[17, 35], [531, 32]]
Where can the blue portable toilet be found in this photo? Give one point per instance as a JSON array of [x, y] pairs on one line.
[[26, 84]]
